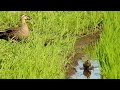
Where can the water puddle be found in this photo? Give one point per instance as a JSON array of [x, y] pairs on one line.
[[81, 73]]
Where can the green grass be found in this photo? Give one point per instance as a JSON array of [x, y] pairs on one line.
[[109, 46], [33, 60]]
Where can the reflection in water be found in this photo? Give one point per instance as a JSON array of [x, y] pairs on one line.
[[87, 73], [91, 71]]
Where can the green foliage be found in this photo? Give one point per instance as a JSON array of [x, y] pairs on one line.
[[108, 49], [34, 60]]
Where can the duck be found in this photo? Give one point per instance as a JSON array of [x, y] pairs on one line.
[[87, 67], [17, 33], [87, 64]]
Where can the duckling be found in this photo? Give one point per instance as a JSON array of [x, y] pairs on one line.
[[87, 68], [17, 33], [87, 64]]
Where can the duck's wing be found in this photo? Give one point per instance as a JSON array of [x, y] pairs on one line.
[[12, 28], [11, 32], [3, 35]]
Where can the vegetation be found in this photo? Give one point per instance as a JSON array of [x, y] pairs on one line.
[[34, 59], [108, 48]]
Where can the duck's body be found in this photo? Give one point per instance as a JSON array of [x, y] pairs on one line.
[[87, 68], [18, 33], [87, 65]]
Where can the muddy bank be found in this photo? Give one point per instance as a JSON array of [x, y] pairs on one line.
[[79, 46]]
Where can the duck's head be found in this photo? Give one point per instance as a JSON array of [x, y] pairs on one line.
[[25, 17]]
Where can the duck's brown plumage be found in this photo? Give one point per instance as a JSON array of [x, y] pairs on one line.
[[87, 67], [87, 64], [16, 33]]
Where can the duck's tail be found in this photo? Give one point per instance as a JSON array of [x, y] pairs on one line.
[[2, 35]]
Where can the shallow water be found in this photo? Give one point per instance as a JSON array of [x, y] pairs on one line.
[[95, 72]]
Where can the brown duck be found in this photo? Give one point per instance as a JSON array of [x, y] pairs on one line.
[[87, 64], [18, 33], [87, 67]]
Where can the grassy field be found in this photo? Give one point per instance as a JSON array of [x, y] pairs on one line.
[[108, 49], [34, 60]]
